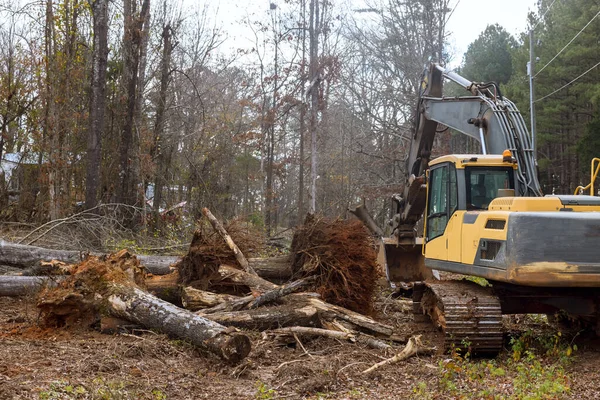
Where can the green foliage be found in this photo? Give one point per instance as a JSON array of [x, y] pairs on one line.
[[479, 280], [589, 145], [534, 370], [99, 389], [489, 57], [263, 392]]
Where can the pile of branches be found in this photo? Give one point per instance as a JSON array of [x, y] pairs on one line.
[[342, 255]]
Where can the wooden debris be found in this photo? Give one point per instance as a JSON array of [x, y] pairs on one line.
[[268, 318], [277, 293], [194, 299], [333, 334], [111, 286], [239, 256], [364, 216], [135, 305], [24, 285], [413, 347]]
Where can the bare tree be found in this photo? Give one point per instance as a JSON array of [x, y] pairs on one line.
[[97, 101]]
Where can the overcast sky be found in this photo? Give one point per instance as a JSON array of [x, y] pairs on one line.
[[468, 20]]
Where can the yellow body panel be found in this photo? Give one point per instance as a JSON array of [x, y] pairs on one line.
[[535, 204], [460, 240], [461, 161]]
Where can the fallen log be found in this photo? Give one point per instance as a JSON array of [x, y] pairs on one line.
[[277, 293], [359, 321], [28, 258], [236, 276], [277, 269], [268, 318], [413, 347], [239, 256], [110, 286], [23, 285], [194, 299], [137, 306]]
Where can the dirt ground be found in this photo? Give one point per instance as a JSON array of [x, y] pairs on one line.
[[59, 364]]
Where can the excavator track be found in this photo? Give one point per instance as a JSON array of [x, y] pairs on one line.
[[469, 314]]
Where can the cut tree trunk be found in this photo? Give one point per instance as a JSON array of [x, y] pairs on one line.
[[165, 287], [142, 308], [251, 302], [239, 277]]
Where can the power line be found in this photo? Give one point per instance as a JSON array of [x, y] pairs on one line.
[[542, 17], [567, 45], [564, 86]]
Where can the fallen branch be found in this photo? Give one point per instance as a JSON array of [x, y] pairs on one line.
[[277, 293], [352, 337], [239, 256], [252, 302], [413, 347]]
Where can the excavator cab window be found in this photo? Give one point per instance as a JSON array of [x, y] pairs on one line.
[[483, 184], [443, 199]]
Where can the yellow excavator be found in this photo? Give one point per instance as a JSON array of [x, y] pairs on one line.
[[484, 215]]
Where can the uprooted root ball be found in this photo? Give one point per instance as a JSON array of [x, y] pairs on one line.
[[342, 254], [208, 250], [77, 300]]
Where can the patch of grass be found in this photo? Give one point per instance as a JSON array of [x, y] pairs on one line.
[[533, 370], [99, 389]]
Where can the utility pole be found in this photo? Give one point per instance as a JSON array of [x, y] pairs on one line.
[[531, 73]]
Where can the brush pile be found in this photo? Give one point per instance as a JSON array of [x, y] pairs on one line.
[[330, 292]]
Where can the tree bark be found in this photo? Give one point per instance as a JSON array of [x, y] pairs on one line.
[[363, 215], [23, 285], [239, 256], [142, 308], [273, 268], [159, 127], [194, 299], [269, 318], [98, 101]]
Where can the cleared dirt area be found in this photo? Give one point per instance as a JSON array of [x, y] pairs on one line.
[[38, 363]]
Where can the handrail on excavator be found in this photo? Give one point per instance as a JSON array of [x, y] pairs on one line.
[[594, 174]]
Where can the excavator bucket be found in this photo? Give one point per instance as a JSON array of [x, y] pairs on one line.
[[402, 263]]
